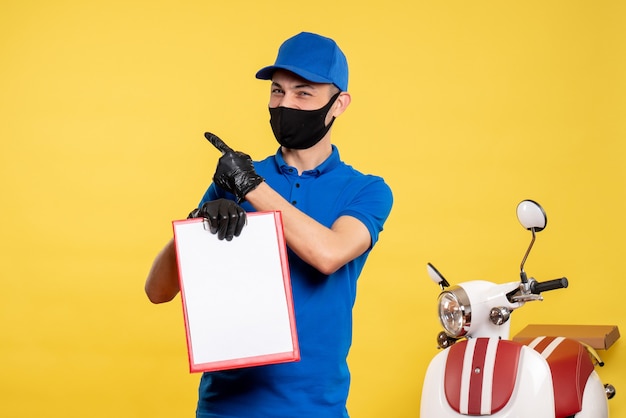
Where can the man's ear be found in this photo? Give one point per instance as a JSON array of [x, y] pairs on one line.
[[342, 103]]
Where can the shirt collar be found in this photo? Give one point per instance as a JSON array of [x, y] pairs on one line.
[[327, 165]]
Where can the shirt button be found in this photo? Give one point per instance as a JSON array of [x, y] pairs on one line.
[[293, 202], [297, 185]]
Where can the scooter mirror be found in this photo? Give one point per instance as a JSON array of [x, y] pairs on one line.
[[436, 276], [531, 215]]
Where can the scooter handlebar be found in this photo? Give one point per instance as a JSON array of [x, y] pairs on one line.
[[537, 287]]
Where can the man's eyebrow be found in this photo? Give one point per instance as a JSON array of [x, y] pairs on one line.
[[297, 86]]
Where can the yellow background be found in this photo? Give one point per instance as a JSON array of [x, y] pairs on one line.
[[465, 107]]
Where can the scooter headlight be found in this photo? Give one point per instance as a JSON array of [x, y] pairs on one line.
[[455, 311]]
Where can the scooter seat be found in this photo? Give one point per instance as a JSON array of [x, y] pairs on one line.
[[570, 365]]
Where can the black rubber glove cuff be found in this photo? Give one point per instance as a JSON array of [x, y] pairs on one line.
[[235, 174], [239, 183]]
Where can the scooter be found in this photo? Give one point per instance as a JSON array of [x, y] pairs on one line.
[[481, 372]]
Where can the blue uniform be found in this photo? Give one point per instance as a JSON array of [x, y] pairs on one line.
[[316, 386]]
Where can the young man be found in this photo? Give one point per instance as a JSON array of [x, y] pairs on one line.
[[332, 217]]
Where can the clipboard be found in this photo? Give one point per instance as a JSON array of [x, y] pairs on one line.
[[236, 295]]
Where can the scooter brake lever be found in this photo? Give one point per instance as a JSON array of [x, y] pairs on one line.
[[524, 293], [526, 298]]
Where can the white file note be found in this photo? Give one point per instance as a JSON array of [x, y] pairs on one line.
[[236, 294]]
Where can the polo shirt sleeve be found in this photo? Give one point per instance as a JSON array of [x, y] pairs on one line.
[[371, 205]]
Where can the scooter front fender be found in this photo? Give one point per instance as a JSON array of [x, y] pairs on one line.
[[532, 395]]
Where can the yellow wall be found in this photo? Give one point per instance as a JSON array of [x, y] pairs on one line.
[[465, 107]]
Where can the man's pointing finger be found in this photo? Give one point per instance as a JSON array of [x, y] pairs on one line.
[[217, 143]]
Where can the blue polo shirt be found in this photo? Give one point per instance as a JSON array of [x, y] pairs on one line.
[[316, 386]]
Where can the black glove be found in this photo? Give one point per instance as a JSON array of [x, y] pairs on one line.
[[225, 217], [235, 170]]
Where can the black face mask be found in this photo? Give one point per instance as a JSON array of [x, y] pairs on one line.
[[300, 129]]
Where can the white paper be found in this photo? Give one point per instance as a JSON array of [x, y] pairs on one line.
[[234, 291]]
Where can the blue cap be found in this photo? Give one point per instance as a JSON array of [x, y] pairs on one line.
[[313, 57]]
